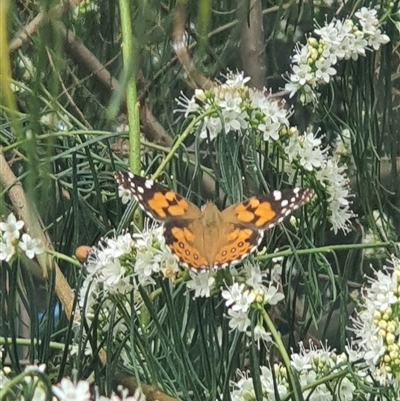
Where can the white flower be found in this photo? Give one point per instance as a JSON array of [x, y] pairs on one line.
[[107, 268], [306, 149], [368, 20], [329, 33], [151, 252], [236, 80], [30, 246], [12, 227], [147, 263], [313, 63], [378, 39], [187, 106], [301, 361], [232, 116], [333, 177], [238, 320], [68, 391], [254, 276], [119, 246], [324, 70], [211, 127], [272, 295], [269, 129], [260, 334], [303, 74], [7, 250], [292, 88], [125, 194], [237, 298], [377, 326], [111, 274], [201, 283], [97, 259]]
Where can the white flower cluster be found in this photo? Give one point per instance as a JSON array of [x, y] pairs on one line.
[[240, 297], [375, 354], [311, 365], [257, 111], [108, 274], [377, 326], [306, 150], [236, 108], [313, 63], [118, 265], [66, 390], [12, 239]]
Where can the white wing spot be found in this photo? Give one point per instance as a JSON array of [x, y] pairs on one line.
[[277, 195], [140, 190], [148, 184], [284, 203]]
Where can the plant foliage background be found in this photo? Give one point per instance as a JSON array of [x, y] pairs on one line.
[[77, 87]]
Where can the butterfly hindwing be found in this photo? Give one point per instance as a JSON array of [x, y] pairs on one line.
[[181, 241], [156, 200], [240, 242]]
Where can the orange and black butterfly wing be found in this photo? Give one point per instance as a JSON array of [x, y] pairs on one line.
[[263, 212], [245, 222], [173, 210], [239, 241], [180, 238], [158, 202]]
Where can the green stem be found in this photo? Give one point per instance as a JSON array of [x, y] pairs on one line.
[[130, 62], [328, 249], [282, 350], [61, 256], [28, 341]]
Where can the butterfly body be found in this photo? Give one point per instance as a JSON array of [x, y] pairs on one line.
[[209, 238]]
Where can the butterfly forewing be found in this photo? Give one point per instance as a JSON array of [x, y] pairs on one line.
[[157, 201], [263, 212]]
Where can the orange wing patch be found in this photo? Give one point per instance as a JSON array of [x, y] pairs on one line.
[[254, 211], [156, 200], [264, 213], [167, 204], [180, 242]]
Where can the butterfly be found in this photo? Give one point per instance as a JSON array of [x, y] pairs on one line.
[[208, 238]]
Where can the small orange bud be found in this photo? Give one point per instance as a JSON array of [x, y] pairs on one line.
[[82, 252]]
